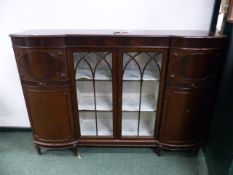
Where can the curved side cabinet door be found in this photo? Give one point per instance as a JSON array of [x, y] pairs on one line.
[[50, 114], [42, 65], [198, 67], [184, 117]]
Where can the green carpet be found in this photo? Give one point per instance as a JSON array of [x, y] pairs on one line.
[[18, 157]]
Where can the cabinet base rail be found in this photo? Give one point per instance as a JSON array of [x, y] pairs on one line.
[[159, 147]]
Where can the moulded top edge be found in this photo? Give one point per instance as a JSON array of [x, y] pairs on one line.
[[118, 33]]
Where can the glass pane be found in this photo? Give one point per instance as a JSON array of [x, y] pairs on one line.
[[131, 90], [93, 64], [103, 95], [93, 74], [141, 76], [151, 70], [131, 68], [104, 67], [105, 123], [87, 123], [129, 123], [147, 124], [149, 95], [83, 69], [85, 95]]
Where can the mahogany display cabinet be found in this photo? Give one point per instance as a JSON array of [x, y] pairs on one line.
[[117, 88]]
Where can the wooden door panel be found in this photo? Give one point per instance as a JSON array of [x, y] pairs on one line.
[[192, 66], [50, 113], [184, 115], [42, 65]]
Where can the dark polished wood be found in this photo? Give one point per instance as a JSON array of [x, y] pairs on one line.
[[218, 42], [136, 142], [188, 80], [184, 114], [50, 113], [193, 68], [107, 38], [42, 65]]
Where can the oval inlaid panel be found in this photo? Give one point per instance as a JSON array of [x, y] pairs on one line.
[[40, 66]]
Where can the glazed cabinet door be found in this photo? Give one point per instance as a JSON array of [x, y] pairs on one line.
[[184, 116], [50, 113], [141, 71], [93, 82]]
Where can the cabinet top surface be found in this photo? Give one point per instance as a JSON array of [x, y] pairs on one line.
[[115, 33]]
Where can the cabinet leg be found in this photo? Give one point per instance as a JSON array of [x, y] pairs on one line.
[[38, 149], [75, 150], [195, 151], [159, 150]]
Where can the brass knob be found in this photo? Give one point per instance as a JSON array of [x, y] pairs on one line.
[[63, 75], [175, 54], [172, 75], [193, 85], [60, 53]]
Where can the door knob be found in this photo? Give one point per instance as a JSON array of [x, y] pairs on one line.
[[63, 75], [172, 75], [193, 85], [175, 54]]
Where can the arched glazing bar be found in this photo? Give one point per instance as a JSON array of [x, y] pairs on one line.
[[142, 61], [88, 67]]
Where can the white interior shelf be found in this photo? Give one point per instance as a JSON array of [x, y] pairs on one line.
[[100, 74], [103, 103], [88, 123], [130, 123], [105, 127], [135, 75], [146, 128], [130, 104], [88, 127], [130, 128]]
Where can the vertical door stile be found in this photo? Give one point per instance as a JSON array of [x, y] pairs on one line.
[[72, 70], [96, 123], [161, 93], [114, 93], [118, 91]]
